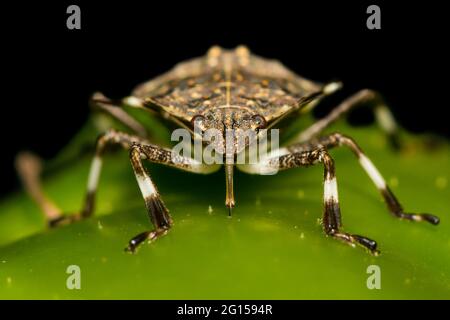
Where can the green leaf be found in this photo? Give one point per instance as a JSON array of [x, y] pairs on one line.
[[272, 248]]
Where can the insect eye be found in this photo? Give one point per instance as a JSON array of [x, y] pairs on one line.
[[198, 121], [258, 121]]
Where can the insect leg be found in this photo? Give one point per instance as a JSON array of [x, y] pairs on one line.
[[368, 97], [29, 167], [114, 109], [139, 149], [310, 154], [108, 138], [159, 215], [337, 140]]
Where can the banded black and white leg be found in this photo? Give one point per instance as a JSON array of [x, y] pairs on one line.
[[158, 212], [394, 206], [111, 137], [311, 155], [365, 97], [315, 151], [31, 179], [140, 149]]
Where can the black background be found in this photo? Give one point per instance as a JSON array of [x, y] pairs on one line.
[[167, 309], [51, 71]]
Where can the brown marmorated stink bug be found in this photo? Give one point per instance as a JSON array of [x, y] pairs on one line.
[[232, 91]]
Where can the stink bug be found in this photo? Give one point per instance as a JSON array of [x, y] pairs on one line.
[[233, 91]]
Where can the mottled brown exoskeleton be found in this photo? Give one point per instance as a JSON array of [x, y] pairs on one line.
[[234, 90]]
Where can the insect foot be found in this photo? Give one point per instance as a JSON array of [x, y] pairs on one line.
[[434, 220], [397, 210], [353, 239], [367, 243], [151, 236], [64, 220], [161, 219]]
